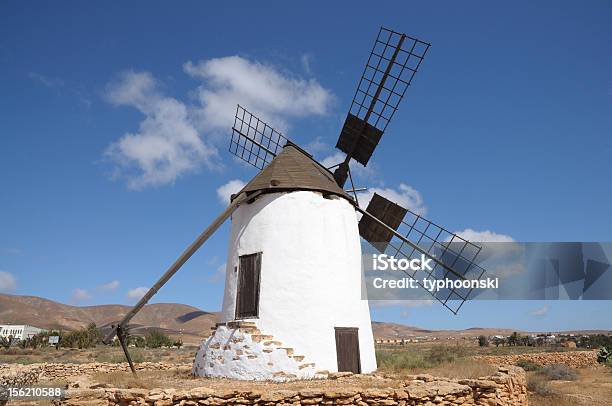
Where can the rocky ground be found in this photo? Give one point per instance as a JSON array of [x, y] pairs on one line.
[[166, 383], [96, 384]]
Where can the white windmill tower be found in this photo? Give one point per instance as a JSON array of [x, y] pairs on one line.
[[293, 280], [293, 305]]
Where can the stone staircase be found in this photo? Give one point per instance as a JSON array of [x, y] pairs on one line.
[[238, 349]]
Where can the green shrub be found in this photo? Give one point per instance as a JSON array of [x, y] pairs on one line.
[[604, 356], [441, 354], [400, 360], [397, 360], [137, 356], [87, 337], [5, 342], [483, 341], [138, 341], [528, 365], [157, 339], [539, 385], [558, 372]]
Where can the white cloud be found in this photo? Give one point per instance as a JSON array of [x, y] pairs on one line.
[[405, 195], [219, 274], [541, 312], [500, 254], [306, 60], [333, 159], [45, 80], [79, 295], [273, 95], [112, 285], [317, 146], [483, 236], [137, 293], [224, 192], [170, 140], [166, 144], [8, 283]]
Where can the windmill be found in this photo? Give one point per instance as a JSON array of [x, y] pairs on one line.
[[292, 304]]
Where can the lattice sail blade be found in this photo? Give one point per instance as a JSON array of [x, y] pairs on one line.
[[253, 140], [393, 62], [454, 257], [386, 211]]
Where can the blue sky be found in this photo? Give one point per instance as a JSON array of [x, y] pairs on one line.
[[507, 128]]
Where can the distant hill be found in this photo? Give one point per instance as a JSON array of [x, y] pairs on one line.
[[175, 319], [179, 320], [395, 330]]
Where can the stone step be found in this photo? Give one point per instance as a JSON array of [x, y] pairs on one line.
[[285, 375], [298, 358], [289, 350], [250, 330], [261, 337], [272, 342], [239, 324], [307, 365]]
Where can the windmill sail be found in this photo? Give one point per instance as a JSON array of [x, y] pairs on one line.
[[253, 140], [402, 233], [394, 60]]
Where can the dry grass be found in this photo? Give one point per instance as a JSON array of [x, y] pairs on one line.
[[593, 386], [463, 368], [99, 354], [145, 380], [559, 372], [538, 385], [182, 379], [450, 361], [410, 358], [554, 400]]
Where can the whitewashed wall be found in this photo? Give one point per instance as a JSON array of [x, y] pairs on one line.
[[310, 275]]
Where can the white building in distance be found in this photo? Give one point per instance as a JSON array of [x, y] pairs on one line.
[[19, 331]]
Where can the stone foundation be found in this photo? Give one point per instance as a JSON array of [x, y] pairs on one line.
[[239, 350]]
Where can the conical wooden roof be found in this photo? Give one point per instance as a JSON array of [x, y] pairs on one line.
[[294, 169]]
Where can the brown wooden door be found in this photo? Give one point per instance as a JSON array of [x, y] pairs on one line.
[[247, 297], [347, 349]]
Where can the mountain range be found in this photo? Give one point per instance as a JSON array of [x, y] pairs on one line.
[[178, 320]]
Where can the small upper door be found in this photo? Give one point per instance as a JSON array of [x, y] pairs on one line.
[[247, 296], [347, 349]]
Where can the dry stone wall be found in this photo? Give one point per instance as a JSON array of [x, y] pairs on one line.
[[24, 375], [574, 359], [19, 375], [507, 387]]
